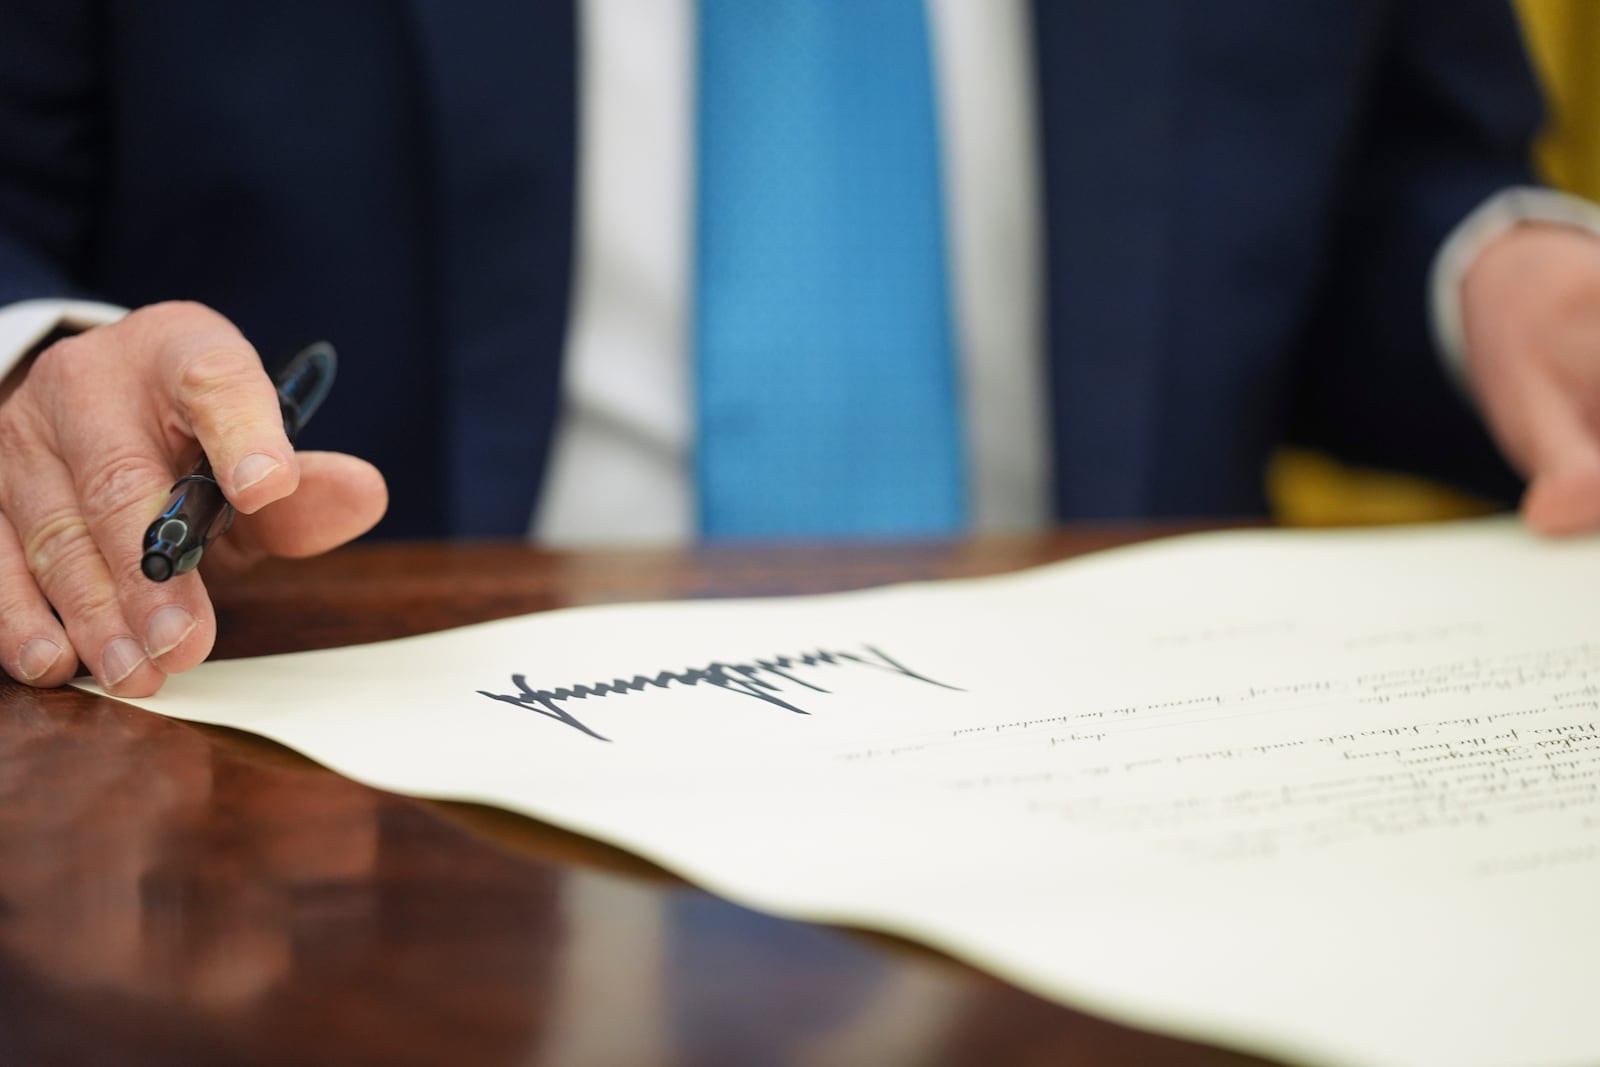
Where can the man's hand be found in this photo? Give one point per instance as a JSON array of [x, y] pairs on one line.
[[1531, 313], [92, 438]]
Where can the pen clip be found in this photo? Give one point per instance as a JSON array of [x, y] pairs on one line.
[[304, 383]]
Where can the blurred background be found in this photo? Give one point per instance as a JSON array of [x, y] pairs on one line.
[[1307, 489]]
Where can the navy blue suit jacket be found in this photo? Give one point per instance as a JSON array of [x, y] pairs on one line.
[[1242, 199]]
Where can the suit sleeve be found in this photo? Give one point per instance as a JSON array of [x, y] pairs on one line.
[[52, 133], [1450, 115]]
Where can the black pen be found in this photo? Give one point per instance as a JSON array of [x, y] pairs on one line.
[[197, 513]]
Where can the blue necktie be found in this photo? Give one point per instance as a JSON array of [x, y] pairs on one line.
[[827, 398]]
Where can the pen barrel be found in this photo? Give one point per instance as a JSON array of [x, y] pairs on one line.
[[197, 513]]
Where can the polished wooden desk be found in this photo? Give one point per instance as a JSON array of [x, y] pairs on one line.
[[174, 895]]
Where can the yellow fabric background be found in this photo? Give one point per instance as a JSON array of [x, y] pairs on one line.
[[1564, 38]]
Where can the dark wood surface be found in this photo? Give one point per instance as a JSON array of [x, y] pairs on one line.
[[171, 894]]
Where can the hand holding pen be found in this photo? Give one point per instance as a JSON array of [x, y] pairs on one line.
[[93, 435], [198, 512]]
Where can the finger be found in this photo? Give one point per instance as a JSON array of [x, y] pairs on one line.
[[1558, 449], [33, 645], [339, 499], [121, 480], [80, 516], [1564, 502], [72, 574], [110, 411], [224, 395], [210, 386], [113, 438]]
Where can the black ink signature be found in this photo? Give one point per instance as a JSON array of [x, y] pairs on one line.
[[745, 678]]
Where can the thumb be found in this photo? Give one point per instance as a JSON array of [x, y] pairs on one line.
[[339, 498]]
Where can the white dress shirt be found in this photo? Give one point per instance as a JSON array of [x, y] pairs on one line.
[[621, 468]]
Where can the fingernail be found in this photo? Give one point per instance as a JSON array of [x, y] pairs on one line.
[[168, 627], [37, 656], [253, 468], [121, 658]]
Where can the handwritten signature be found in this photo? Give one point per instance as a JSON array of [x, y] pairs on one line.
[[749, 679]]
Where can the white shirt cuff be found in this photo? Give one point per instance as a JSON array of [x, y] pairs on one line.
[[1496, 215], [24, 324]]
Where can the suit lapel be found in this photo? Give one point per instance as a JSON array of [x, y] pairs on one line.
[[499, 98], [1107, 116]]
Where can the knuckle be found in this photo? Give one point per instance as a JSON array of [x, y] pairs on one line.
[[87, 600], [174, 313], [213, 373], [17, 610], [16, 435], [115, 484], [55, 549], [69, 357], [56, 540]]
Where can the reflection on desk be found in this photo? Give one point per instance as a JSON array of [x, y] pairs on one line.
[[171, 894]]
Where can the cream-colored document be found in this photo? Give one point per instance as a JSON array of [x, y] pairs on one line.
[[1332, 797]]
